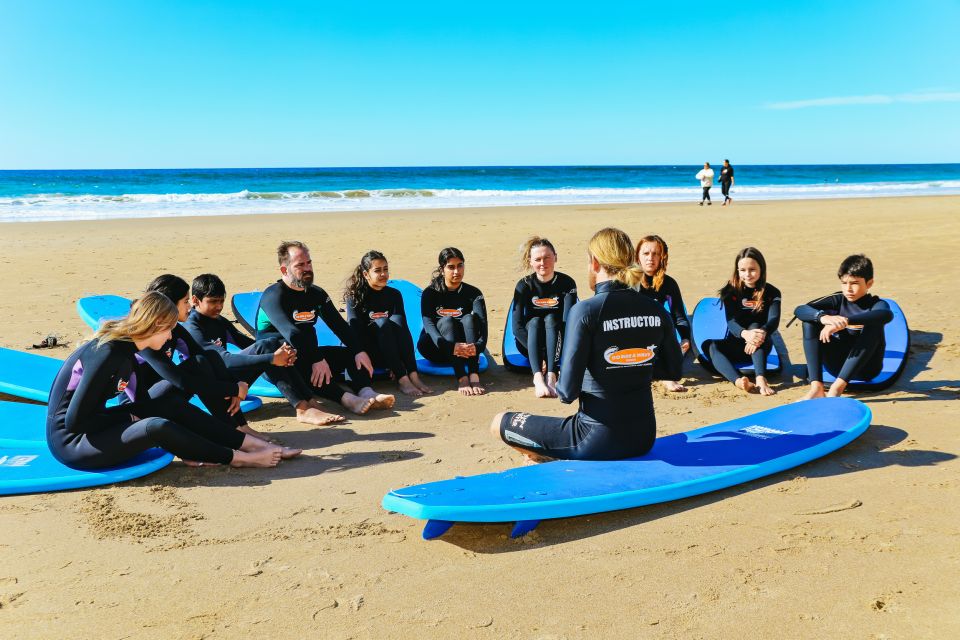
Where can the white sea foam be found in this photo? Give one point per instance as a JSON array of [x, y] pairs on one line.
[[55, 206]]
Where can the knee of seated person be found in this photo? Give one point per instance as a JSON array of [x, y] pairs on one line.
[[468, 320], [534, 323], [154, 426], [552, 320], [811, 330], [267, 345]]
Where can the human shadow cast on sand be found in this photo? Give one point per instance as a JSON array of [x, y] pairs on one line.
[[873, 450]]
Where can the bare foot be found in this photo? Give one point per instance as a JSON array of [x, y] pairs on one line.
[[837, 388], [673, 386], [380, 400], [764, 388], [359, 405], [540, 388], [552, 384], [532, 458], [415, 379], [463, 386], [289, 452], [259, 458], [745, 385], [478, 389], [317, 417], [407, 387], [816, 391], [250, 431]]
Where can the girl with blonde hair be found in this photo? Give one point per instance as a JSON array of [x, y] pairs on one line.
[[541, 302], [84, 434], [615, 344], [653, 256]]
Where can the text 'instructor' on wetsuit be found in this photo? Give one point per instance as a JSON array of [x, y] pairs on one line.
[[615, 344]]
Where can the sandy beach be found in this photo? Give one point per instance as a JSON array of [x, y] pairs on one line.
[[864, 543]]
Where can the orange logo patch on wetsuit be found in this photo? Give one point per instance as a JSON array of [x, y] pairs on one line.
[[449, 313], [546, 303], [629, 357], [376, 315], [749, 304], [121, 385], [304, 316]]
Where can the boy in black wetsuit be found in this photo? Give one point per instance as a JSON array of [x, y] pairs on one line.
[[270, 356], [844, 331], [290, 309]]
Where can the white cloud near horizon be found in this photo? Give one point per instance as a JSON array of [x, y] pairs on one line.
[[931, 96]]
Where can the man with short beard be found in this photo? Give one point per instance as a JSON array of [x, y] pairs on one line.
[[291, 307]]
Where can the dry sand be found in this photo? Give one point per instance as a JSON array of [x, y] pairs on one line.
[[864, 543]]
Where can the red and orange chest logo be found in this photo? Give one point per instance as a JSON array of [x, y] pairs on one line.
[[546, 303], [377, 315], [629, 357], [122, 385], [449, 313], [746, 303], [304, 316]]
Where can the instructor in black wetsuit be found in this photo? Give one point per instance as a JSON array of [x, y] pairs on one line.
[[615, 344], [84, 434], [290, 309]]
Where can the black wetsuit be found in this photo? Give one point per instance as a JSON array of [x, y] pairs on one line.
[[450, 317], [84, 434], [200, 372], [254, 359], [854, 352], [292, 315], [726, 181], [539, 312], [669, 295], [380, 322], [741, 314], [615, 343]]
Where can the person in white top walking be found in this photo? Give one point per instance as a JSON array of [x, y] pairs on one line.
[[705, 176]]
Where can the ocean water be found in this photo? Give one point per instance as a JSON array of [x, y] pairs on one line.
[[135, 193]]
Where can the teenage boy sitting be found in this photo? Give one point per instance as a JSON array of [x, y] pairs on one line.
[[269, 356], [844, 331]]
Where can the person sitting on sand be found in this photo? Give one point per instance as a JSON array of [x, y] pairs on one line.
[[83, 434], [844, 331], [752, 309], [454, 322], [541, 302], [375, 311], [199, 371], [614, 345], [653, 256], [271, 356], [290, 309]]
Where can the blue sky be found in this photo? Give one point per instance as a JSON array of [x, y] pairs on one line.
[[131, 84]]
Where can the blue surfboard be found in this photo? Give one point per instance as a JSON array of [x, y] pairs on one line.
[[512, 358], [411, 294], [678, 466], [31, 468], [94, 310], [709, 323], [22, 424], [30, 376], [897, 336]]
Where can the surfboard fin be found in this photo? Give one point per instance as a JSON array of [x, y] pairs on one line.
[[435, 528], [523, 527]]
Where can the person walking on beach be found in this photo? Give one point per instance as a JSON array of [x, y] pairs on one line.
[[705, 176], [726, 181]]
